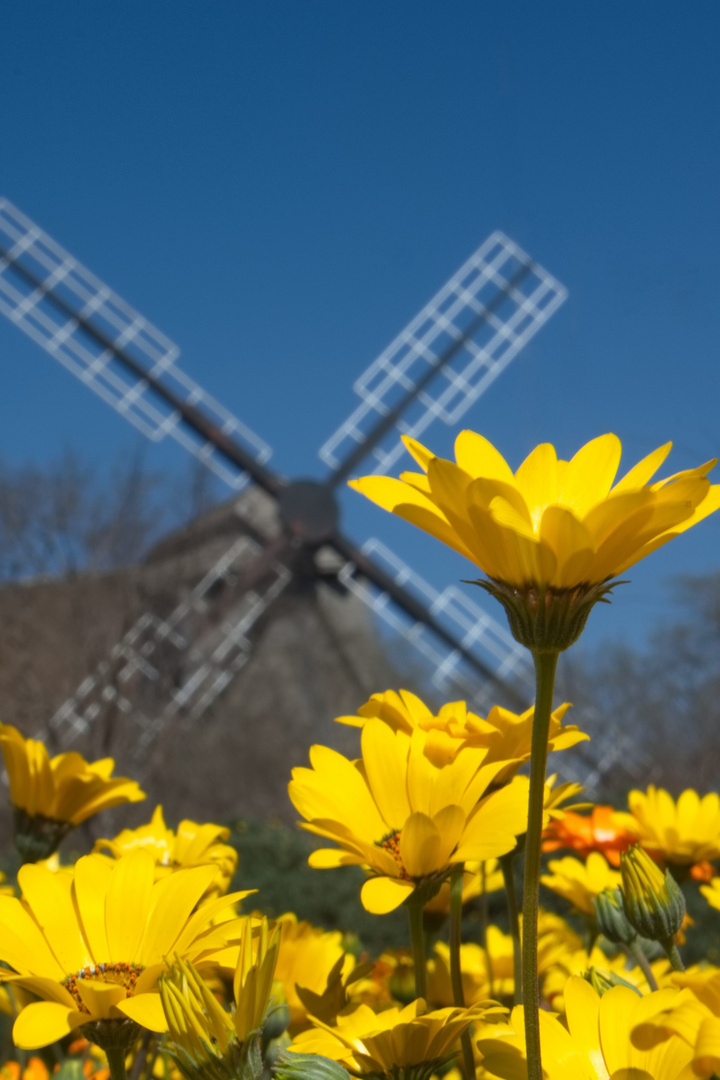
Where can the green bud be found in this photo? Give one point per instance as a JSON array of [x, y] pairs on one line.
[[611, 919], [293, 1066], [653, 901], [276, 1021]]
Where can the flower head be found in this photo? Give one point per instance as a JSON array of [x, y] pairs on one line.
[[580, 882], [684, 834], [93, 946], [504, 735], [583, 833], [191, 845], [406, 819], [53, 795], [395, 1041], [556, 523], [595, 1045], [551, 535]]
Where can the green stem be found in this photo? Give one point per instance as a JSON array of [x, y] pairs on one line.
[[643, 963], [456, 888], [484, 920], [507, 865], [116, 1062], [545, 665], [673, 955], [417, 940]]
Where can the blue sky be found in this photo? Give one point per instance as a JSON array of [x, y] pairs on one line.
[[281, 186]]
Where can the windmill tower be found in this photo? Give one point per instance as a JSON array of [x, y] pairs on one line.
[[172, 665]]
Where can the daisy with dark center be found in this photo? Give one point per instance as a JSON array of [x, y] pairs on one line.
[[92, 946]]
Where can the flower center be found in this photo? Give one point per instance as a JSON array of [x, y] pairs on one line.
[[121, 974], [391, 843]]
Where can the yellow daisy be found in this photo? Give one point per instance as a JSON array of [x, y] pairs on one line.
[[191, 845], [53, 795], [391, 1041], [505, 735], [681, 833], [403, 817], [595, 1045], [554, 523], [92, 946], [580, 881]]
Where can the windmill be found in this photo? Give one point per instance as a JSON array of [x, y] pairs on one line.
[[435, 369]]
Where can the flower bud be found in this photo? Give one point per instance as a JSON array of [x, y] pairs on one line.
[[653, 901], [611, 918]]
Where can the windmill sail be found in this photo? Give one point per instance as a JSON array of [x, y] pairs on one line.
[[435, 369], [110, 347]]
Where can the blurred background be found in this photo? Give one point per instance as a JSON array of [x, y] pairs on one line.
[[280, 188]]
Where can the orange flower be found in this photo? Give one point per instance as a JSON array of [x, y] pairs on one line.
[[585, 833]]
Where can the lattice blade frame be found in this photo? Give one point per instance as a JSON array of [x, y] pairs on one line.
[[475, 630], [58, 330], [512, 322]]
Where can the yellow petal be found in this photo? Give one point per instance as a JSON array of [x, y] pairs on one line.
[[22, 945], [410, 504], [422, 455], [589, 474], [478, 457], [146, 1010], [91, 882], [127, 904], [536, 479], [44, 1022], [100, 997], [328, 858], [171, 903], [385, 757], [380, 895], [571, 543], [49, 899], [420, 845], [639, 475]]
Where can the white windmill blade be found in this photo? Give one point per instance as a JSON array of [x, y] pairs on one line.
[[138, 666], [455, 611], [48, 294], [501, 298]]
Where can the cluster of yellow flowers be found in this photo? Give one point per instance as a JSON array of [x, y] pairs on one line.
[[138, 956]]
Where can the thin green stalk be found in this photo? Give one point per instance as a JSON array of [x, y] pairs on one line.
[[456, 888], [673, 955], [507, 865], [484, 920], [643, 963], [417, 941], [545, 665], [116, 1062]]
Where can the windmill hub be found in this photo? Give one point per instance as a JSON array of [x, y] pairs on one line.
[[309, 510]]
